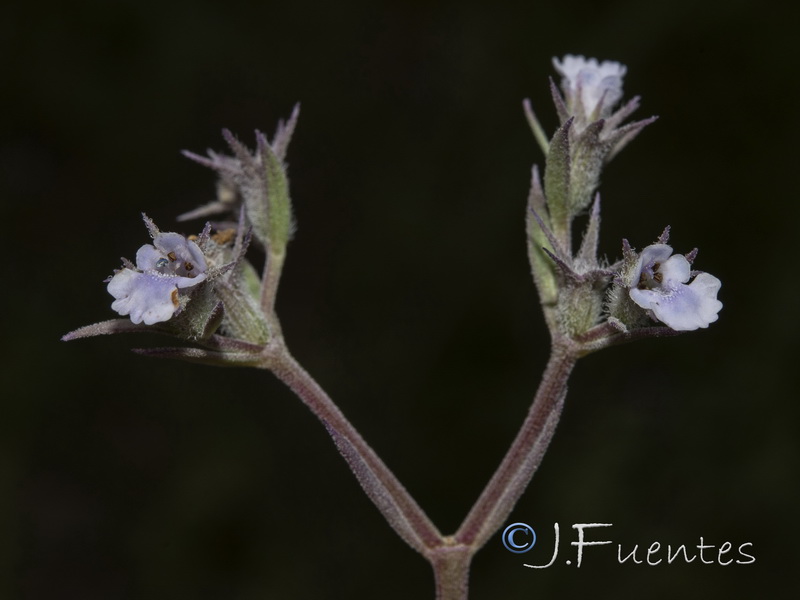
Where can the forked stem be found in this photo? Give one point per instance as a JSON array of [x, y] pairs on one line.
[[449, 556]]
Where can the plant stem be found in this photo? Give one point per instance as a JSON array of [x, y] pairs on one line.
[[395, 503], [451, 570], [269, 288], [449, 556], [523, 458]]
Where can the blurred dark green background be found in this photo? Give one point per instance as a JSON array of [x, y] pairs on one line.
[[406, 293]]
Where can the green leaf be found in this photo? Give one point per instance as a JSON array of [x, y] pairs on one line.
[[557, 181], [541, 265], [244, 319], [280, 222], [588, 155]]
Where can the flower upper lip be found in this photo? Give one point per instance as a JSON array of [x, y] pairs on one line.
[[183, 257]]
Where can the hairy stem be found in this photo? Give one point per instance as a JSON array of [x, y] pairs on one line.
[[269, 288], [523, 458], [451, 570], [449, 556], [384, 489]]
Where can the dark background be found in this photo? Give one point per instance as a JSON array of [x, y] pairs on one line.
[[406, 293]]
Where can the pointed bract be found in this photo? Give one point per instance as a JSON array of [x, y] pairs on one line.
[[204, 357], [625, 111], [536, 127], [588, 154], [587, 255], [621, 137], [537, 227], [557, 181], [561, 109], [283, 135]]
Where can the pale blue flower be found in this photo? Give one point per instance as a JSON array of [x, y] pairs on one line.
[[660, 286], [150, 292], [591, 88]]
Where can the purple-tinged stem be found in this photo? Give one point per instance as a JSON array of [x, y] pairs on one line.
[[451, 570], [449, 556], [523, 458], [384, 489]]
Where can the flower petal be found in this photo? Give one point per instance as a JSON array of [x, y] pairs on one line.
[[598, 85], [675, 270], [146, 297], [186, 253], [685, 307], [147, 258], [655, 253], [185, 282]]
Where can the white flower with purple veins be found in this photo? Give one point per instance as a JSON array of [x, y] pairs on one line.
[[598, 86], [150, 294], [660, 280]]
